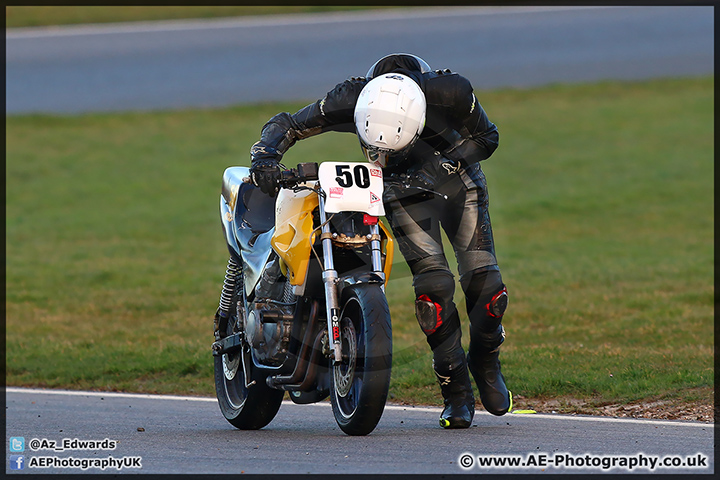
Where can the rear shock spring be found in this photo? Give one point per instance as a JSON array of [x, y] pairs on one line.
[[232, 275]]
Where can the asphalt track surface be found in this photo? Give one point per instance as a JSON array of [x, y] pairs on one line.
[[188, 435], [215, 63]]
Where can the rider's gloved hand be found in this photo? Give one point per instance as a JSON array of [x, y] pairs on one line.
[[265, 169], [265, 174]]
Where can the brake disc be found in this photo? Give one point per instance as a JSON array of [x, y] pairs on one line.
[[345, 372]]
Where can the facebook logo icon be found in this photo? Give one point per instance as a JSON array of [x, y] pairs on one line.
[[17, 462]]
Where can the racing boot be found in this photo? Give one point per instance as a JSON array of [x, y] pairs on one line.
[[457, 395], [484, 364], [438, 317]]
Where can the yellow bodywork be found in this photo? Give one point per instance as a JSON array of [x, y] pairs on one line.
[[294, 237], [387, 247]]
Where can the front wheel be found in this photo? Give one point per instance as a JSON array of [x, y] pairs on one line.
[[361, 381]]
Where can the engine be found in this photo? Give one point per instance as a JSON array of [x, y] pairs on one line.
[[268, 328]]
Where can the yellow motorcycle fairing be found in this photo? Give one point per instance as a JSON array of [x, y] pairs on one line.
[[294, 237], [387, 246]]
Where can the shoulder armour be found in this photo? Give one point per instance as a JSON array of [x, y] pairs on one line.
[[339, 104], [448, 89]]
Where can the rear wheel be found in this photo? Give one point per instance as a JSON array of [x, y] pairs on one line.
[[246, 408], [362, 380]]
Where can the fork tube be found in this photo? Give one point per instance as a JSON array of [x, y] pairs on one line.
[[375, 250], [330, 279], [376, 254]]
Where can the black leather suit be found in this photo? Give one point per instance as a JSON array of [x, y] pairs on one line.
[[456, 137]]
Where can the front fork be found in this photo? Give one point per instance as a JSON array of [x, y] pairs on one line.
[[330, 277], [330, 280]]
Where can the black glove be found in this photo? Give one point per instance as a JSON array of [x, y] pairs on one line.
[[265, 174]]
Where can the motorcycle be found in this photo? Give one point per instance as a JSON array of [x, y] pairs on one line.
[[316, 251]]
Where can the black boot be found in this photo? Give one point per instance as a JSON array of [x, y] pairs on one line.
[[445, 340], [457, 396], [494, 395]]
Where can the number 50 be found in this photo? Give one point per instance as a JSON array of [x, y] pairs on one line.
[[360, 174]]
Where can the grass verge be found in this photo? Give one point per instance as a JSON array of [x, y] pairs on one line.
[[602, 207]]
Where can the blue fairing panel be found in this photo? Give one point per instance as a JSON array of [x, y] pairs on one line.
[[247, 218]]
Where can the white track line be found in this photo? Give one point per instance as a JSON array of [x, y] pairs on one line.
[[80, 393], [435, 410], [272, 20]]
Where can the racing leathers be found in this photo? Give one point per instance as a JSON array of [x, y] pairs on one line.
[[445, 163]]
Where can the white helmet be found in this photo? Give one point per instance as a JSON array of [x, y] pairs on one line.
[[389, 116]]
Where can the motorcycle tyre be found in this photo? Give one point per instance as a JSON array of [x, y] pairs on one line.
[[252, 407], [367, 307], [256, 410]]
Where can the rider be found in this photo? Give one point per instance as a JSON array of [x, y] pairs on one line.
[[427, 126]]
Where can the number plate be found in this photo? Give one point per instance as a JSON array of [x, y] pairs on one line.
[[352, 187]]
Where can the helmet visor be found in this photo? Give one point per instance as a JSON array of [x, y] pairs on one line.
[[377, 156]]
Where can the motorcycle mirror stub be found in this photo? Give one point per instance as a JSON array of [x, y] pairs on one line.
[[308, 171]]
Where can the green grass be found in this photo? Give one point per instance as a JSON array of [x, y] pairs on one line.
[[602, 207], [35, 16]]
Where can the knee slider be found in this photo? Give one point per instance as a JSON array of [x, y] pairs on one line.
[[498, 304], [434, 292], [486, 295], [428, 314]]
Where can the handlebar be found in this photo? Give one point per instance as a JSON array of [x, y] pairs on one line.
[[305, 172], [308, 171]]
